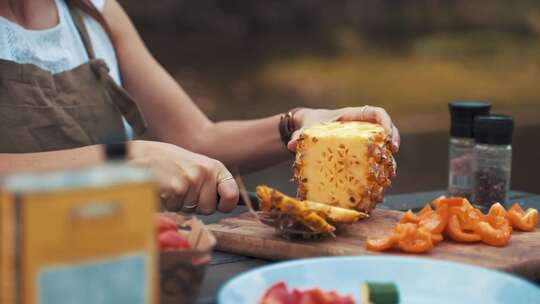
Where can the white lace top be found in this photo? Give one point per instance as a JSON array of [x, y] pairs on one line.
[[59, 48]]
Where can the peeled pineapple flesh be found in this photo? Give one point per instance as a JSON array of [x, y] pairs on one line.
[[344, 164]]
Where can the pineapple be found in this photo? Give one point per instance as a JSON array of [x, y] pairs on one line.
[[344, 164], [276, 203], [316, 217]]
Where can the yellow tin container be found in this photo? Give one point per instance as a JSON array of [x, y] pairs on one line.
[[81, 237]]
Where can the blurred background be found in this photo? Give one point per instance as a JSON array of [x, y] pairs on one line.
[[247, 59]]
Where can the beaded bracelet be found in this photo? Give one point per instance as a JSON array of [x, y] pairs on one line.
[[287, 126]]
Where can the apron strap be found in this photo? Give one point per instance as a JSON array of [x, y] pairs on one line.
[[77, 17], [120, 98]]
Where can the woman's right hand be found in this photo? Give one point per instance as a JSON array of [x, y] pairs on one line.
[[186, 178]]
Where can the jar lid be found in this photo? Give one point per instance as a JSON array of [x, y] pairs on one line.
[[462, 115], [493, 129]]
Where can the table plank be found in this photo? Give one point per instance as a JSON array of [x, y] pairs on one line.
[[220, 257], [224, 266], [246, 235]]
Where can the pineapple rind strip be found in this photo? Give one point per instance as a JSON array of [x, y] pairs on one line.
[[316, 216], [335, 214], [273, 200]]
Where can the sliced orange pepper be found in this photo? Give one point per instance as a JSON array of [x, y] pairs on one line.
[[381, 244], [409, 217], [385, 243], [454, 210], [521, 220], [436, 202], [455, 232], [497, 234], [450, 201], [402, 228], [418, 233], [496, 210], [466, 203], [469, 217], [435, 222], [501, 223], [426, 210], [517, 207], [415, 240], [436, 238]]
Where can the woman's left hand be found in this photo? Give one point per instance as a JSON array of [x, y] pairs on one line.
[[308, 117]]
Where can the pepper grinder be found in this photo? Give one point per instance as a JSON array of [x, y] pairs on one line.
[[492, 159], [462, 114]]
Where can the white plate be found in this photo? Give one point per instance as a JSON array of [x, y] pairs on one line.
[[419, 280]]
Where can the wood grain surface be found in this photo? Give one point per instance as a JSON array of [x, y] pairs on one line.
[[244, 235]]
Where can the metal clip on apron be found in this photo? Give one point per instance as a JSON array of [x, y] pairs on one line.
[[40, 111]]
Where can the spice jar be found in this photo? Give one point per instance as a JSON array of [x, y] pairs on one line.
[[492, 159], [462, 114]]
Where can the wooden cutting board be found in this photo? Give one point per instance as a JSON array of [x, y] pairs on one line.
[[244, 235]]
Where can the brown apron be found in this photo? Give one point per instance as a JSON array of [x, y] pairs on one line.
[[40, 111]]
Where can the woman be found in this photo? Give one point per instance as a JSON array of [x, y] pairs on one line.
[[61, 96]]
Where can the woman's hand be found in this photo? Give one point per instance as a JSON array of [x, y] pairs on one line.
[[308, 117], [187, 180]]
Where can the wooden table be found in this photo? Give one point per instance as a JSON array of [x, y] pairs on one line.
[[223, 265]]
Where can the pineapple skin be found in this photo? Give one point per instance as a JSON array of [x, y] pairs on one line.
[[344, 164]]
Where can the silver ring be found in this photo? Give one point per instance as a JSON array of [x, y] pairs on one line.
[[191, 208], [362, 112], [225, 179]]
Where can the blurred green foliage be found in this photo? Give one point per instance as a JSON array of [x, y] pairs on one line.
[[405, 55]]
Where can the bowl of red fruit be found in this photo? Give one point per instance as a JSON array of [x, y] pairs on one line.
[[185, 248]]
